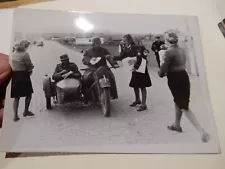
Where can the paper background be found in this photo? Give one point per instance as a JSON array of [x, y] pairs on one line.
[[214, 56], [221, 8]]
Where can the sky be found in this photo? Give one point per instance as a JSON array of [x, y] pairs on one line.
[[44, 21]]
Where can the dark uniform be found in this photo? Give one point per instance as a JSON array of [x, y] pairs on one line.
[[70, 67], [156, 47], [105, 56]]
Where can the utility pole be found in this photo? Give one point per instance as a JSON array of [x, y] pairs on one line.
[[191, 49]]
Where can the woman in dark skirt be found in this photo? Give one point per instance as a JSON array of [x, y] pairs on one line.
[[21, 85], [178, 81], [138, 80]]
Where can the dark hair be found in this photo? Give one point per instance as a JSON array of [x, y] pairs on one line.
[[129, 39], [20, 49], [139, 42]]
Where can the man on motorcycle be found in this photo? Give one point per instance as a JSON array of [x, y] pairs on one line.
[[66, 69], [91, 55]]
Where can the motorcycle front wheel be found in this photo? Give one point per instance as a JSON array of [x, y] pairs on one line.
[[105, 102]]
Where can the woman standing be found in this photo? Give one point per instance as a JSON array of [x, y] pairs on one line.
[[21, 86], [178, 81], [138, 80]]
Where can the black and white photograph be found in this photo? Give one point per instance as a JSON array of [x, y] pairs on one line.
[[107, 83]]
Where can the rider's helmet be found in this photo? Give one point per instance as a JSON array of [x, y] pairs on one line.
[[96, 40]]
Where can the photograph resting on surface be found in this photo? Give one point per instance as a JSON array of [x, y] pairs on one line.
[[107, 83]]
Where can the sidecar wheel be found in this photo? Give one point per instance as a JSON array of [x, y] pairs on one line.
[[105, 102], [48, 103]]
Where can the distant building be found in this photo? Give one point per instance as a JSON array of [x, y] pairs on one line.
[[86, 40], [54, 38]]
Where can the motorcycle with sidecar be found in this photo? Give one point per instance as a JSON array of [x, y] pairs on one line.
[[94, 89]]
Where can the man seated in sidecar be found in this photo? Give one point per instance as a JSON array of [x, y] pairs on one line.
[[66, 69], [91, 55]]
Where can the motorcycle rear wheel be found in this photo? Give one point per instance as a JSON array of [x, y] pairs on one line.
[[105, 102]]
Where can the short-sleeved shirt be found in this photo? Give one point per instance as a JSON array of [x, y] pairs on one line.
[[94, 53], [21, 62], [174, 61]]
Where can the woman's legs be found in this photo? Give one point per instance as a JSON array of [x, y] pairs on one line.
[[137, 97], [27, 104], [178, 115], [192, 118], [137, 94], [144, 97], [176, 125], [15, 108]]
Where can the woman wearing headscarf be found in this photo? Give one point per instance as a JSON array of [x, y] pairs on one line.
[[138, 80], [174, 67], [21, 85]]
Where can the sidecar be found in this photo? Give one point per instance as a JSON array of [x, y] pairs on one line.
[[65, 91]]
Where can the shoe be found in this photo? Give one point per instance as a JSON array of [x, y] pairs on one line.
[[173, 128], [16, 119], [142, 108], [29, 113], [205, 137], [135, 103]]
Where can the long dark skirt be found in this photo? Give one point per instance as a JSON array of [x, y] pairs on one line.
[[21, 85], [140, 80], [179, 85]]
